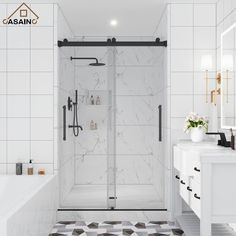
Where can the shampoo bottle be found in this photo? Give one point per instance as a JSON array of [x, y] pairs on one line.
[[30, 169]]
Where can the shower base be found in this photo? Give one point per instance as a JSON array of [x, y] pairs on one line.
[[128, 197]]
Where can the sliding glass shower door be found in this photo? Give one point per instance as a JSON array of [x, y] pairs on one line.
[[119, 161], [139, 153]]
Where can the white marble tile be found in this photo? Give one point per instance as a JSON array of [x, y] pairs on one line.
[[137, 80], [135, 56], [129, 138], [91, 169], [92, 142], [134, 169], [91, 78], [137, 110]]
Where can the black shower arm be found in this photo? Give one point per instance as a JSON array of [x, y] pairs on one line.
[[84, 58]]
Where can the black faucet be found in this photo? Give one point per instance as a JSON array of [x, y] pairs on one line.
[[222, 142]]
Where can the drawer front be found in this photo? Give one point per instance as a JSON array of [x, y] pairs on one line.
[[195, 197], [196, 171], [183, 184]]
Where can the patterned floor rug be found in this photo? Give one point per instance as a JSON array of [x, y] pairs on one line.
[[116, 228]]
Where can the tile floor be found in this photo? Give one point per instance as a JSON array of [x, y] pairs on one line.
[[115, 228]]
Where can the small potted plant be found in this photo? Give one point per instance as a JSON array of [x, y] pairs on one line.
[[197, 126]]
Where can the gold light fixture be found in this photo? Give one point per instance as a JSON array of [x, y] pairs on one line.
[[206, 65], [227, 66]]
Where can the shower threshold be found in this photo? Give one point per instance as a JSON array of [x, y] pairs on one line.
[[129, 198]]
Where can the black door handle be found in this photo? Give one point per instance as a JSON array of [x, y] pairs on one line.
[[196, 169], [189, 189], [182, 182], [196, 196], [177, 177]]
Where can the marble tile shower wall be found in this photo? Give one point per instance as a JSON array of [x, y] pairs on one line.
[[26, 90], [91, 145], [137, 75]]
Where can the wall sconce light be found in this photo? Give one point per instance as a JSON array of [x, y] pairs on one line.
[[206, 65], [227, 66]]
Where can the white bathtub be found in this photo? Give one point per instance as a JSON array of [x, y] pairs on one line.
[[28, 205]]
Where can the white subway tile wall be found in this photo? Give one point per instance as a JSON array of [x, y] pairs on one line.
[[192, 33], [27, 72]]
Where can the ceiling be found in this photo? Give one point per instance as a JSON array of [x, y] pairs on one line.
[[92, 17]]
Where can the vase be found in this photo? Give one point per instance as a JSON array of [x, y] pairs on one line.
[[197, 134]]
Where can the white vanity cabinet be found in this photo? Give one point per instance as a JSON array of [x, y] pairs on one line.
[[206, 176]]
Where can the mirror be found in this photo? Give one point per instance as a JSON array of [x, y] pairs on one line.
[[228, 83]]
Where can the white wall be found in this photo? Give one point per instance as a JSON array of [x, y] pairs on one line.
[[191, 34], [27, 74]]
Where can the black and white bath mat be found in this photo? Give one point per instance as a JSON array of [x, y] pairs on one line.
[[115, 228]]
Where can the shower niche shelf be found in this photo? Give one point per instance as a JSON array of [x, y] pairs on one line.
[[103, 96]]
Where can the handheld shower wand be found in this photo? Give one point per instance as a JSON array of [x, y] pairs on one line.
[[76, 127]]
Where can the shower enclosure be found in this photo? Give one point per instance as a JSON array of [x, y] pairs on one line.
[[119, 155]]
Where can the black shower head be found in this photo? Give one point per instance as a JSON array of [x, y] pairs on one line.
[[97, 64], [89, 58]]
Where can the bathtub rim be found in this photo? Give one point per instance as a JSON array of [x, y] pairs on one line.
[[23, 202]]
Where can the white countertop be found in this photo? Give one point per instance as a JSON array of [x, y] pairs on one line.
[[209, 151]]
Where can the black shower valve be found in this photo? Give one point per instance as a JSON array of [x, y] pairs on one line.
[[69, 104]]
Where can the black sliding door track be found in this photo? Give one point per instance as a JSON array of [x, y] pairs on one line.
[[96, 209], [112, 43]]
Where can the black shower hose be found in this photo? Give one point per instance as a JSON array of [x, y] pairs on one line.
[[75, 120]]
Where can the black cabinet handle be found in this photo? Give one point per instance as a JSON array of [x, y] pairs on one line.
[[196, 169], [160, 123], [177, 177], [196, 196], [182, 182], [189, 189], [64, 122]]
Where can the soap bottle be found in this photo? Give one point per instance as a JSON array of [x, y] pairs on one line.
[[19, 168], [30, 169], [92, 125], [98, 101], [92, 100]]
